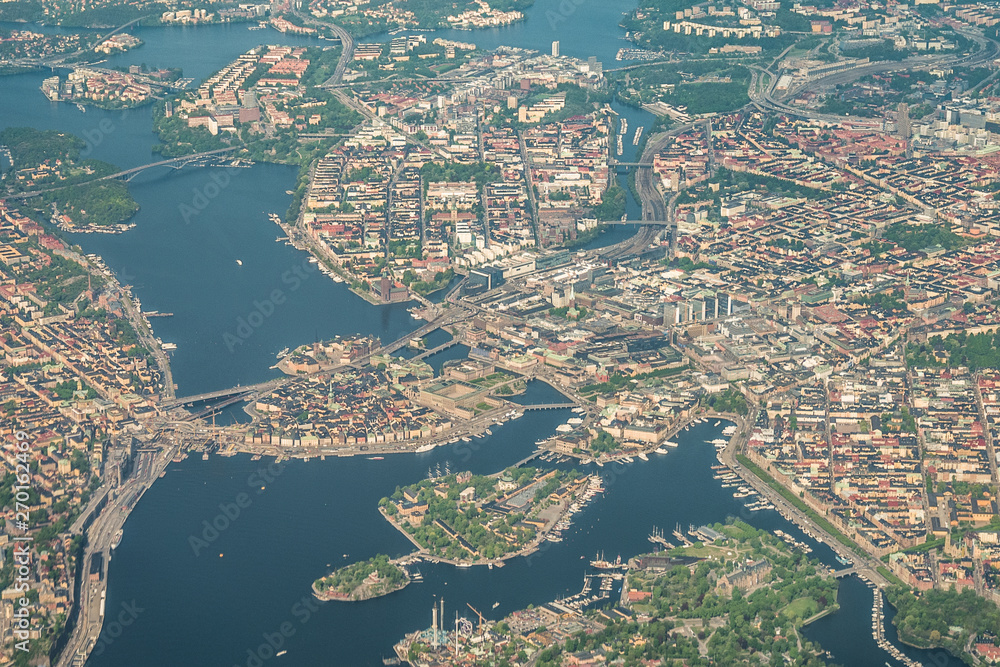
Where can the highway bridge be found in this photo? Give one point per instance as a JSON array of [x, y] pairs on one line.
[[195, 159], [238, 390], [615, 163], [660, 223], [546, 406], [440, 348]]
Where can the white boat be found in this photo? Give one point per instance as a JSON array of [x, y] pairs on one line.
[[643, 456], [240, 262], [425, 448], [660, 450], [670, 443], [279, 653]]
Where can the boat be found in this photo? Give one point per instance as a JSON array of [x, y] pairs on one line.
[[602, 564], [425, 448], [376, 458], [496, 604], [82, 108], [240, 262], [717, 423], [643, 456], [463, 565], [116, 540], [670, 443], [660, 450], [280, 653], [283, 353]]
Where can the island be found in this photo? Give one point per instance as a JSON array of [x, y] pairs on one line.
[[468, 519], [372, 578]]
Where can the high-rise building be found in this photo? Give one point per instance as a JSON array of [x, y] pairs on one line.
[[903, 120], [555, 49]]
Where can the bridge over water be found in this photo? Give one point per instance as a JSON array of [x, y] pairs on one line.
[[194, 159]]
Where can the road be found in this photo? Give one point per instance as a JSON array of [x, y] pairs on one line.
[[767, 99], [99, 538], [865, 565]]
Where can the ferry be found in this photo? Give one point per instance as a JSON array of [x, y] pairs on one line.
[[425, 448], [376, 458], [117, 540], [168, 346]]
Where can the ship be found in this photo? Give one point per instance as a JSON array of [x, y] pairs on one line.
[[283, 353], [602, 564], [240, 262], [496, 604], [376, 458], [116, 540]]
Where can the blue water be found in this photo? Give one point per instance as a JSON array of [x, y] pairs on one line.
[[211, 608]]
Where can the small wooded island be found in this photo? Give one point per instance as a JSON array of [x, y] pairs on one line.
[[364, 580]]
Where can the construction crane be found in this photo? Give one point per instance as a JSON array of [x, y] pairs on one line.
[[476, 611]]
